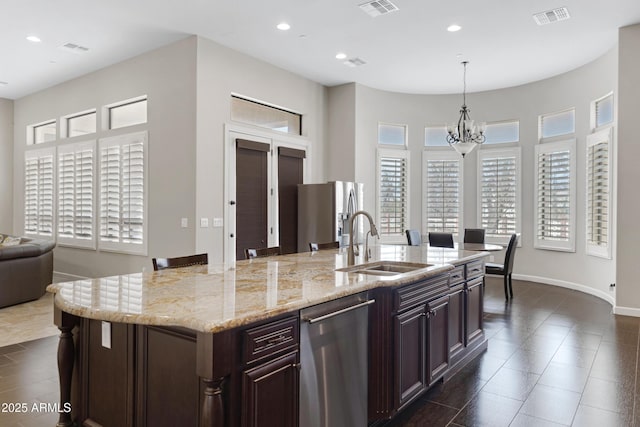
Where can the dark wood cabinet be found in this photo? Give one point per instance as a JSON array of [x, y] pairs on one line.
[[410, 333], [270, 393], [437, 338], [475, 300], [457, 334]]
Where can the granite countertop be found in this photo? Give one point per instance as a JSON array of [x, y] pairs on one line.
[[214, 297]]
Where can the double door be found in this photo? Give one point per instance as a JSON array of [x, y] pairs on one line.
[[422, 349]]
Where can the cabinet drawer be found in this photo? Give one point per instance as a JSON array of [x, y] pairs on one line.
[[456, 275], [265, 340], [475, 269], [420, 292]]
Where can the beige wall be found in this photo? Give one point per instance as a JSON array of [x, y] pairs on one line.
[[628, 267], [6, 170]]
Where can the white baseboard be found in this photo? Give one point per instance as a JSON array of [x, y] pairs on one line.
[[575, 286], [65, 277], [626, 311]]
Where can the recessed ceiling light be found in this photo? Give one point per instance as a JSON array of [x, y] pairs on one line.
[[453, 28], [34, 39], [283, 26], [341, 55]]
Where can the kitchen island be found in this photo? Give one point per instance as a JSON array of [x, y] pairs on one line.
[[217, 346]]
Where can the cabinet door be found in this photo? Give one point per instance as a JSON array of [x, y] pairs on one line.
[[456, 322], [475, 300], [437, 338], [410, 354], [270, 393]]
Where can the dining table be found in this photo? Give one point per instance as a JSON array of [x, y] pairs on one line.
[[488, 247]]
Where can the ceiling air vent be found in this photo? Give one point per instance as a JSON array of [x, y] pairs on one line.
[[74, 48], [378, 7], [550, 16], [354, 62]]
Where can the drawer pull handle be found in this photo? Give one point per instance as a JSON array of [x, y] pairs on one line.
[[277, 340], [335, 313]]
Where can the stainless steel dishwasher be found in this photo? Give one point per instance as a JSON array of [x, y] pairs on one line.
[[333, 359]]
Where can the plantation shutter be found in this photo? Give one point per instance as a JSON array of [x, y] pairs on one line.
[[498, 194], [555, 196], [75, 194], [122, 193], [38, 192], [393, 195], [443, 195], [598, 207]]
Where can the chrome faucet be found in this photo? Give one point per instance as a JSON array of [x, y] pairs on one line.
[[372, 229]]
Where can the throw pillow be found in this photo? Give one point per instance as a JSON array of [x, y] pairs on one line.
[[11, 241]]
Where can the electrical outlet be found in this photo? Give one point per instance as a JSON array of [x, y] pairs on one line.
[[204, 222], [218, 222], [184, 222]]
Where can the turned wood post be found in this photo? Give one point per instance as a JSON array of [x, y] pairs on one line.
[[212, 406], [66, 357]]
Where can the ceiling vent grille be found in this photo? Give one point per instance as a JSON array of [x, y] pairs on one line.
[[378, 7], [74, 48], [550, 16], [354, 62]]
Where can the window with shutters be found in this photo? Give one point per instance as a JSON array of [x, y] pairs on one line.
[[555, 196], [443, 192], [599, 176], [393, 191], [39, 192], [123, 195], [499, 211], [76, 183]]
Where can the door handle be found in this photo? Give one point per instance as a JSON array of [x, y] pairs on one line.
[[232, 202]]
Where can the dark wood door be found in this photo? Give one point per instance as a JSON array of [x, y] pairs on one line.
[[270, 393], [290, 174], [456, 322], [410, 354], [251, 195], [475, 300], [437, 338]]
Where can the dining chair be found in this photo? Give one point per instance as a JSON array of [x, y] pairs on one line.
[[319, 246], [183, 261], [413, 238], [262, 252], [441, 240], [505, 269], [473, 235]]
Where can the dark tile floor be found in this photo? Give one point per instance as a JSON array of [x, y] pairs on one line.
[[556, 357]]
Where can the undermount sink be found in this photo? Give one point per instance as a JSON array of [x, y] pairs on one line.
[[384, 268]]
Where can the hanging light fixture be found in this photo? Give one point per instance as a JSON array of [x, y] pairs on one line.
[[464, 136]]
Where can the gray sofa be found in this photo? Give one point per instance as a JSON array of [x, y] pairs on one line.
[[25, 270]]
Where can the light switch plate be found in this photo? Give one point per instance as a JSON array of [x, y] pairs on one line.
[[204, 222], [184, 222], [106, 334], [218, 222]]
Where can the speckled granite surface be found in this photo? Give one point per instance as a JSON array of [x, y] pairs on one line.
[[214, 297]]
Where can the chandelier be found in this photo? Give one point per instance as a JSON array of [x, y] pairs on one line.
[[464, 136]]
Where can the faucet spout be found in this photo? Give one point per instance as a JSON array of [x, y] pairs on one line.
[[372, 229]]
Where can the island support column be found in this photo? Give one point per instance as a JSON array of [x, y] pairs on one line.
[[66, 357], [213, 365]]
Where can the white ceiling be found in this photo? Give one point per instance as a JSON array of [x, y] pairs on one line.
[[405, 51]]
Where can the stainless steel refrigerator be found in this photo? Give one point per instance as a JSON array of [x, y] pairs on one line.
[[324, 211]]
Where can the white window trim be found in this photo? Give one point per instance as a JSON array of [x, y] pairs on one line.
[[502, 122], [121, 247], [64, 123], [556, 138], [442, 155], [77, 242], [31, 137], [593, 113], [399, 154], [39, 153], [499, 152], [570, 244], [604, 135], [105, 111]]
